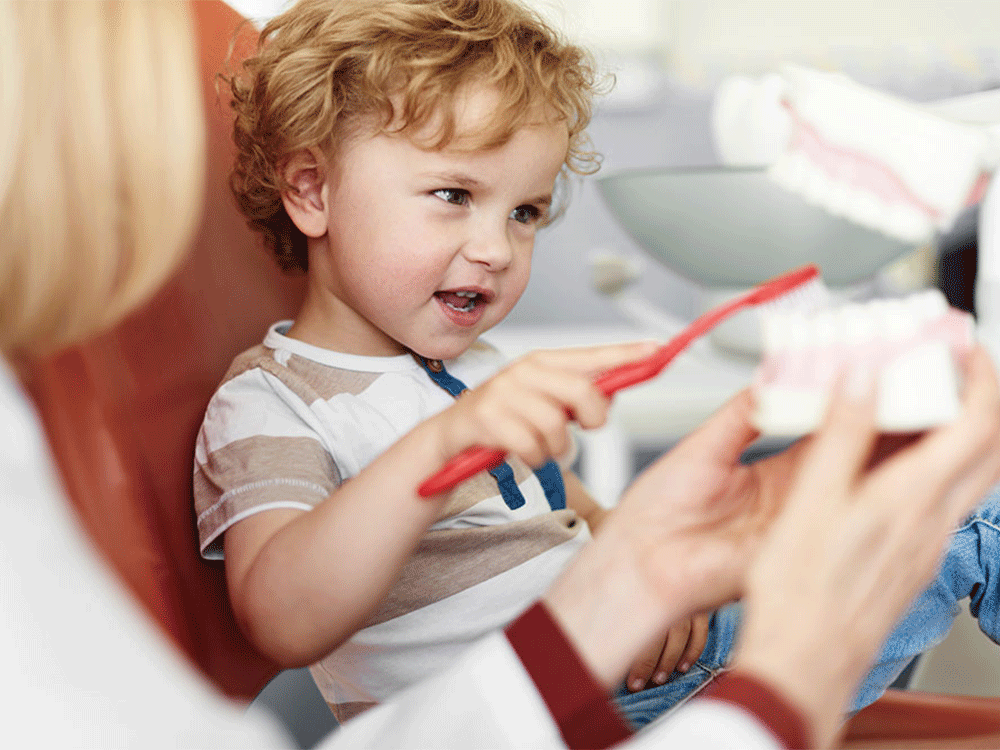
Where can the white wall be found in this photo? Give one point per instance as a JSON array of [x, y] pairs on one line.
[[700, 40], [691, 32]]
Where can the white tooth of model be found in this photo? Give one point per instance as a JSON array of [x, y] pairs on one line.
[[987, 292], [909, 342], [818, 186], [931, 304], [934, 153], [838, 199], [864, 208], [749, 125]]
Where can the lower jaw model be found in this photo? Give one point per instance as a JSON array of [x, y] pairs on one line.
[[913, 347]]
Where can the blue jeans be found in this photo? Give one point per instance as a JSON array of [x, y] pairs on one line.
[[970, 568], [641, 708]]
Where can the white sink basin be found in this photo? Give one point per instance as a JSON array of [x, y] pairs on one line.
[[734, 228]]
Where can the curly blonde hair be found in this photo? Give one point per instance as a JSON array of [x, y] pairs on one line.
[[325, 66]]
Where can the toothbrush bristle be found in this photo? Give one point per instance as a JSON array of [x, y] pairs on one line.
[[802, 289], [811, 296]]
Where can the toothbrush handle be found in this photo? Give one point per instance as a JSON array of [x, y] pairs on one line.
[[611, 381], [477, 458], [466, 464]]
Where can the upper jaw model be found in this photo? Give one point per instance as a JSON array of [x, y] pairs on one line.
[[913, 346], [878, 160]]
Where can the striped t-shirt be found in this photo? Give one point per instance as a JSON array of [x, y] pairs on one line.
[[291, 421]]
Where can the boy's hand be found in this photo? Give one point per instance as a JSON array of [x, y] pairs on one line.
[[526, 407], [677, 650]]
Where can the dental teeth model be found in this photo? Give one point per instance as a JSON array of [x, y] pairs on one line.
[[878, 160], [881, 161], [914, 344]]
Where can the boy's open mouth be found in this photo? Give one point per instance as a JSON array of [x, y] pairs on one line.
[[462, 300]]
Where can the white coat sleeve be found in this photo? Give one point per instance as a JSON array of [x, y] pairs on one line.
[[488, 700]]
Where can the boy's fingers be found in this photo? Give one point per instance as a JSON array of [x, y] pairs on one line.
[[534, 427], [594, 359], [575, 391], [673, 650], [644, 666], [695, 644]]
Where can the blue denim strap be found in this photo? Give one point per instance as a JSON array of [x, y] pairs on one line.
[[548, 475], [435, 369], [509, 490]]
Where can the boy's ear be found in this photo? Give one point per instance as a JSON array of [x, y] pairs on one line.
[[305, 197]]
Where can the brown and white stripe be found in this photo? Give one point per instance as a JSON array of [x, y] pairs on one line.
[[291, 421]]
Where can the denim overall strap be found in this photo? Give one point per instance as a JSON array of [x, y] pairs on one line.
[[548, 475], [551, 479]]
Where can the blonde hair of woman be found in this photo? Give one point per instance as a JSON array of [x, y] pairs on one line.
[[93, 217]]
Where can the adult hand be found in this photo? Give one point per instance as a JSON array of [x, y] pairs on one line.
[[857, 539], [686, 532], [678, 543]]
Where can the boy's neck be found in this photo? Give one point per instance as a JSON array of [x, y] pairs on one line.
[[323, 325]]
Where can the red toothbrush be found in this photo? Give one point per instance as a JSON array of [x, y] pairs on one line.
[[478, 458]]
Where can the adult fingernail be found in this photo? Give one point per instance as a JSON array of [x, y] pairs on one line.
[[635, 684], [684, 667], [660, 677]]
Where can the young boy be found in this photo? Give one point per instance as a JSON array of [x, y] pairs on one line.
[[404, 154]]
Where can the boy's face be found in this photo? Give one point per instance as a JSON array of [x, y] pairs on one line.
[[427, 249]]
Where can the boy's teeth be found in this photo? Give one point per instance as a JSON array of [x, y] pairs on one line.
[[461, 301]]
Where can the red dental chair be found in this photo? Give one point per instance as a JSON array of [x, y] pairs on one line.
[[122, 412]]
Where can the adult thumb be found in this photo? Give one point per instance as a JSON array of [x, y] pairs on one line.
[[728, 431]]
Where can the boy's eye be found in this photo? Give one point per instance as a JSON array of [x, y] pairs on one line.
[[526, 214], [455, 196]]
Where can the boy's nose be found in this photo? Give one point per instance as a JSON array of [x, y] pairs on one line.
[[490, 246]]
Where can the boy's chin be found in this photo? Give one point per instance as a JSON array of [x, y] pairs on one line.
[[445, 350]]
